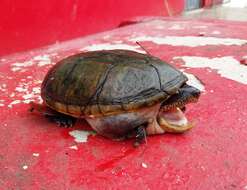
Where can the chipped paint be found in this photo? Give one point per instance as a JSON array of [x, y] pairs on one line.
[[216, 32], [74, 147], [194, 81], [3, 87], [20, 89], [80, 135], [25, 167], [227, 67], [13, 103], [190, 41], [43, 60], [200, 27], [144, 165], [109, 46], [176, 27], [40, 60], [36, 154]]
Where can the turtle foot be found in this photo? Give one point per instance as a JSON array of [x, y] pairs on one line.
[[61, 119], [141, 136]]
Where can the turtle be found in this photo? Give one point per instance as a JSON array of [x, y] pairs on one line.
[[120, 93]]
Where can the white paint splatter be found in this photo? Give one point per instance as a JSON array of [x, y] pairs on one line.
[[108, 46], [176, 27], [36, 154], [36, 90], [25, 167], [40, 60], [190, 41], [3, 87], [216, 32], [74, 147], [144, 165], [80, 136], [194, 81], [13, 103], [200, 27], [43, 60], [20, 89], [106, 37], [1, 105], [23, 64], [227, 67]]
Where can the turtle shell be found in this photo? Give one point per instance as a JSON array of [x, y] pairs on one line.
[[107, 82]]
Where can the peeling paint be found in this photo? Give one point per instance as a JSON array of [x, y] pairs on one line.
[[25, 167], [20, 89], [3, 87], [109, 46], [80, 136], [227, 67], [43, 60], [144, 165], [216, 32], [194, 81], [200, 27], [36, 154], [13, 103], [190, 41], [74, 147], [176, 27], [40, 60]]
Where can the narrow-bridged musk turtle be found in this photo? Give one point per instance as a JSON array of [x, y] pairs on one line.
[[120, 93]]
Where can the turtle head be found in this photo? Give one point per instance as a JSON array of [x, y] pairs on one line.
[[171, 117]]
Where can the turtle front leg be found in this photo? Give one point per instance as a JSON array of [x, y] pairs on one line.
[[61, 119], [141, 135]]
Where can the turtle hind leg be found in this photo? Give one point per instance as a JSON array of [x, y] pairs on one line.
[[61, 119]]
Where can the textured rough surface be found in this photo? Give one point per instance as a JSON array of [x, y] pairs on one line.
[[37, 154]]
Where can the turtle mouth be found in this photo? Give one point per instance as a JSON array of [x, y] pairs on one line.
[[173, 121], [171, 117]]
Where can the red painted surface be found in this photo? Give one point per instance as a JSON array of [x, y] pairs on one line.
[[210, 156], [209, 3], [37, 23]]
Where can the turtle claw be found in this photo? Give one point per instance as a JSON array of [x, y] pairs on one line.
[[61, 120], [141, 136]]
